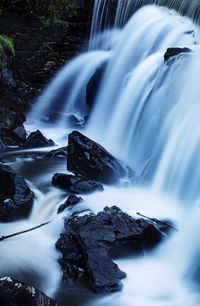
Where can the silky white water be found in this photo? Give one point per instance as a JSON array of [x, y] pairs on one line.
[[146, 112]]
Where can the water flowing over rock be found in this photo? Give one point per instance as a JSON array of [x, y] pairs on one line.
[[75, 184], [171, 52], [71, 201], [94, 85], [57, 153], [16, 293], [87, 158], [87, 240], [16, 198]]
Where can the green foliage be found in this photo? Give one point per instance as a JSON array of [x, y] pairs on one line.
[[7, 41]]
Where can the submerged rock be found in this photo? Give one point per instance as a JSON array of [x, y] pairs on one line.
[[16, 198], [87, 158], [88, 239], [37, 139], [15, 293], [60, 152], [75, 184], [174, 52], [71, 201]]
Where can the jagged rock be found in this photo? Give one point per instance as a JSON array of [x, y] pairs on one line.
[[37, 139], [16, 198], [75, 184], [171, 52], [60, 152], [88, 239], [16, 293], [71, 201], [87, 158]]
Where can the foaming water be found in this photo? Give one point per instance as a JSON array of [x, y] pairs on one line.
[[165, 275], [31, 257]]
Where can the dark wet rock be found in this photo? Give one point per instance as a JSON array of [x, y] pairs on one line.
[[60, 152], [16, 198], [94, 85], [16, 293], [171, 52], [11, 100], [88, 239], [37, 139], [20, 133], [75, 184], [72, 200], [87, 158]]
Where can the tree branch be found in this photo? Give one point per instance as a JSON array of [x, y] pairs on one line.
[[25, 231]]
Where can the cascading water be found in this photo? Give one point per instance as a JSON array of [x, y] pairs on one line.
[[146, 112]]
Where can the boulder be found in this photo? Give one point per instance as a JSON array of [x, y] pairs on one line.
[[16, 293], [72, 200], [87, 158], [89, 239], [37, 139], [16, 198], [171, 52], [75, 184]]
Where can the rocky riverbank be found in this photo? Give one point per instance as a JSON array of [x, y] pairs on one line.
[[40, 49]]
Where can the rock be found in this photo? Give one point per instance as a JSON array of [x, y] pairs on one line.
[[71, 201], [88, 240], [16, 198], [20, 133], [87, 158], [37, 139], [75, 184], [60, 152], [12, 106], [171, 52], [16, 293]]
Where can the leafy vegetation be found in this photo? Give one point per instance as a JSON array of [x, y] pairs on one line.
[[6, 42]]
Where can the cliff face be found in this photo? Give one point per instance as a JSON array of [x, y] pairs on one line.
[[42, 45]]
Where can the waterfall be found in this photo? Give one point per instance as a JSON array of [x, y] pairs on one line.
[[146, 112], [65, 94], [116, 13]]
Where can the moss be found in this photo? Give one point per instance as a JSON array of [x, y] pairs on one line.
[[6, 42]]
